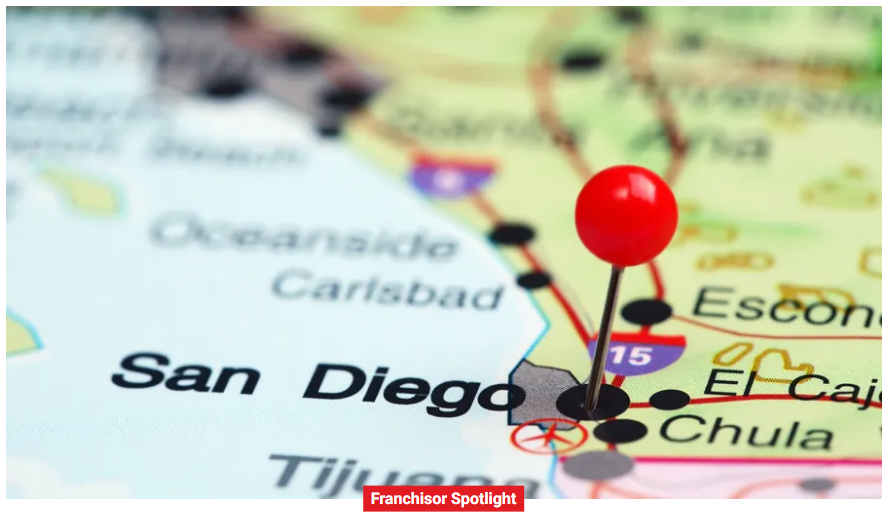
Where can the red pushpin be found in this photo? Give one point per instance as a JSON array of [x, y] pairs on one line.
[[625, 215]]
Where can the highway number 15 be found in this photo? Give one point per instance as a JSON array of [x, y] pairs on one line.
[[638, 356]]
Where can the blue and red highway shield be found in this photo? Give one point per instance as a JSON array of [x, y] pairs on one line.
[[448, 177], [636, 354]]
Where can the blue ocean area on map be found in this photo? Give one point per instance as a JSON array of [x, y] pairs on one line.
[[200, 444]]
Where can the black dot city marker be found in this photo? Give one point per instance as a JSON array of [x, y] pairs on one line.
[[646, 312], [149, 14], [164, 57], [330, 124], [582, 61], [620, 431], [612, 402], [226, 87], [691, 42], [232, 13], [347, 99], [302, 55], [629, 15], [511, 234], [329, 129], [670, 399], [534, 280]]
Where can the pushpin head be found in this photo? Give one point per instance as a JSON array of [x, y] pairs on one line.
[[626, 215]]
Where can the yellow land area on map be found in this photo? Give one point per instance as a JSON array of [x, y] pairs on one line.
[[86, 195], [19, 338], [777, 170]]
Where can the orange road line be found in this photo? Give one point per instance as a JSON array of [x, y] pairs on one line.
[[558, 24], [637, 60], [484, 206], [695, 322]]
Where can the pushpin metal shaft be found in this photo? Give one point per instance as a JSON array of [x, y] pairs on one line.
[[604, 333]]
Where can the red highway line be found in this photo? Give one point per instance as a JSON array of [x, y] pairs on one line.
[[571, 313], [488, 210], [659, 287], [540, 76], [752, 397]]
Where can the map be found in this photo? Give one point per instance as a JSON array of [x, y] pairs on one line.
[[289, 252]]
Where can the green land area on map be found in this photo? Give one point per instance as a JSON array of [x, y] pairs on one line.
[[775, 165]]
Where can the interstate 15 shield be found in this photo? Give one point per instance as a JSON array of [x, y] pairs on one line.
[[636, 354], [450, 178]]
